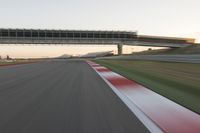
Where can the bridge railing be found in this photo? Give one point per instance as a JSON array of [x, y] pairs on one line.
[[57, 34]]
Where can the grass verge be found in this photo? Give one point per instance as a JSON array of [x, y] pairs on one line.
[[179, 82]]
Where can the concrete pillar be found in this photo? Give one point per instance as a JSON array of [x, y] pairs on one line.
[[120, 49]]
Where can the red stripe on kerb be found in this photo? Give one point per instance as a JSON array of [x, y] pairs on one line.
[[120, 82], [170, 118], [95, 65], [102, 69]]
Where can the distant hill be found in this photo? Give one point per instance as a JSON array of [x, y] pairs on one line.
[[192, 49], [98, 54], [65, 56]]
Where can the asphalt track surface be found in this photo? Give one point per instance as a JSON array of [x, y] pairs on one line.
[[61, 97], [167, 58]]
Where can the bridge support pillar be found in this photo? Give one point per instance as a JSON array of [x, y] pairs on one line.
[[120, 49]]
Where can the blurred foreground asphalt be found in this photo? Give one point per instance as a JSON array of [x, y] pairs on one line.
[[61, 97]]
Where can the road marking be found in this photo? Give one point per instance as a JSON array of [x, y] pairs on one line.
[[156, 112]]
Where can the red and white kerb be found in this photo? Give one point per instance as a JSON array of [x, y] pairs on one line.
[[156, 112]]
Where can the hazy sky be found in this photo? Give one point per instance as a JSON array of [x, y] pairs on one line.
[[152, 17]]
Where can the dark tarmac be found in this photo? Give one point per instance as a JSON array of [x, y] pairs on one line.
[[61, 97]]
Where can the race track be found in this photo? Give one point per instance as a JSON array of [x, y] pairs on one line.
[[61, 97]]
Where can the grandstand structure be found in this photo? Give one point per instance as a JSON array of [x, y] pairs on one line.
[[119, 38]]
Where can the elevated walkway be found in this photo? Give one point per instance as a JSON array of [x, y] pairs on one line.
[[120, 38]]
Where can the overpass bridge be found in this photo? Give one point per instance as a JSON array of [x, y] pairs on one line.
[[119, 38]]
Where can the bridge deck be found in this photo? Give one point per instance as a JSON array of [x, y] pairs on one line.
[[32, 36]]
